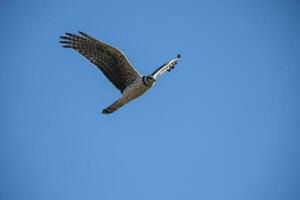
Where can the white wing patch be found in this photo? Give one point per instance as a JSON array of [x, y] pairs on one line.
[[167, 67]]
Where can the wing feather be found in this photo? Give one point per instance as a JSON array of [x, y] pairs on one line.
[[111, 61], [165, 67]]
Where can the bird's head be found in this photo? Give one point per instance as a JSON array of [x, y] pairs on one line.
[[149, 80]]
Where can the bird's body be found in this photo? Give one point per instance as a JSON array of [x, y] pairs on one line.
[[115, 66], [131, 92]]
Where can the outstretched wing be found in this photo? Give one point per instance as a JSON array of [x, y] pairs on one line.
[[111, 61], [165, 67]]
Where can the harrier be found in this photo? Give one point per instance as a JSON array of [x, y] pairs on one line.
[[116, 67]]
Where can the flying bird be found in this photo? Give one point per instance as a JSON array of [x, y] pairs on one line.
[[116, 67]]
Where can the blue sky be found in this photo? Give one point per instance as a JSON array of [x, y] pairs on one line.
[[224, 125]]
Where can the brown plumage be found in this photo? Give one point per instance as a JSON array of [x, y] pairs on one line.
[[115, 66], [111, 61]]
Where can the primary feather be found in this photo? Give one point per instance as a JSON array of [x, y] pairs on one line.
[[111, 61]]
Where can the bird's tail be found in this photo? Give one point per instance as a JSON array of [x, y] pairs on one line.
[[113, 107]]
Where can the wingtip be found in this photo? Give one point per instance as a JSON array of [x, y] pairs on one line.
[[83, 34], [178, 56], [65, 42], [70, 34], [67, 46], [64, 37], [105, 112]]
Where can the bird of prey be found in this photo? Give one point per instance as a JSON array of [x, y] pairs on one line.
[[115, 66]]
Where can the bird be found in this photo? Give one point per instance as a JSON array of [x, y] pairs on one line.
[[113, 63]]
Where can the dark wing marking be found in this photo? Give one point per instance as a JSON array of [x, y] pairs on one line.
[[111, 61], [165, 67]]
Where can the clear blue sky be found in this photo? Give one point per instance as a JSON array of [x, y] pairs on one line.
[[225, 125]]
